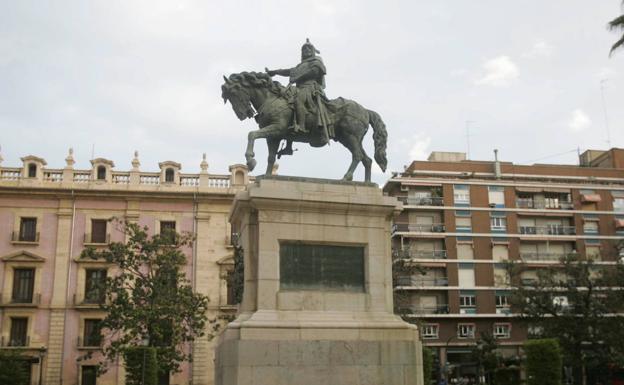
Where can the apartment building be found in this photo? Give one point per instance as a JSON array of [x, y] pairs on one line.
[[49, 296], [462, 219]]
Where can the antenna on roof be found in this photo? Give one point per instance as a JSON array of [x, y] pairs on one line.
[[604, 110], [468, 123]]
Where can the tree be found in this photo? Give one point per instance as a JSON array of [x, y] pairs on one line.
[[13, 368], [149, 301], [543, 362], [580, 304], [617, 24]]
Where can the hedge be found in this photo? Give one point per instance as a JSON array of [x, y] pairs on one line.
[[427, 365], [13, 368], [543, 362], [135, 373]]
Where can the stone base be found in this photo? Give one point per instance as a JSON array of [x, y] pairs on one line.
[[352, 357]]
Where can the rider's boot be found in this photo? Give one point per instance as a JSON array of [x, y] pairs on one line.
[[299, 126]]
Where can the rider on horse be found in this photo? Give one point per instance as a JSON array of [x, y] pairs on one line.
[[309, 78]]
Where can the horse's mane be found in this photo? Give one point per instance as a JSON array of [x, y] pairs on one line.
[[256, 80]]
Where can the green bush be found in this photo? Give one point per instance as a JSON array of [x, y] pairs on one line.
[[543, 362], [13, 368], [135, 372], [507, 376], [427, 365]]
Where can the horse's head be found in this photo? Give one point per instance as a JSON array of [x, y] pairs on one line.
[[235, 91]]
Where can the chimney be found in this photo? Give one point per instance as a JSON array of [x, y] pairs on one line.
[[497, 166]]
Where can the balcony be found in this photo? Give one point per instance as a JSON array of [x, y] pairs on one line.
[[15, 342], [422, 201], [94, 342], [88, 302], [411, 227], [547, 230], [503, 310], [26, 301], [421, 281], [18, 237], [552, 204], [419, 254], [90, 239], [419, 309], [536, 256]]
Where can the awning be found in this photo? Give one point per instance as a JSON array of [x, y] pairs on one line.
[[619, 223], [557, 190], [415, 183], [529, 189], [590, 198]]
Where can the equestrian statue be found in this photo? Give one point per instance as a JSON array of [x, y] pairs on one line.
[[300, 112]]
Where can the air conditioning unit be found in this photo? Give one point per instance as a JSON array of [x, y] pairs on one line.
[[492, 205]]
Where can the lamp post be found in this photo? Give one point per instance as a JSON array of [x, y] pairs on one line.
[[42, 351], [145, 344], [447, 365]]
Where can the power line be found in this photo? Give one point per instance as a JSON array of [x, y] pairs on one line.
[[551, 156]]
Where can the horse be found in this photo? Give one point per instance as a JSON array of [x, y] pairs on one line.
[[256, 95]]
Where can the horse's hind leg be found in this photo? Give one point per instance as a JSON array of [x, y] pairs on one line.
[[352, 144], [367, 162]]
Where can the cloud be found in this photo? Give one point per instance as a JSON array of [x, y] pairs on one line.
[[606, 73], [499, 72], [579, 121], [539, 49], [419, 148]]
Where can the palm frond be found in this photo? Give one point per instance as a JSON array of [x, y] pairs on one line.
[[617, 23], [616, 45]]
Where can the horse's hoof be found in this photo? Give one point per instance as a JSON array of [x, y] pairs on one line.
[[347, 178], [251, 164]]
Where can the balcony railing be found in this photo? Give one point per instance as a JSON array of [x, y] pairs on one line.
[[422, 201], [535, 256], [503, 310], [15, 342], [88, 238], [26, 301], [529, 203], [16, 236], [410, 227], [548, 230], [420, 281], [89, 300], [418, 309], [89, 343], [420, 254]]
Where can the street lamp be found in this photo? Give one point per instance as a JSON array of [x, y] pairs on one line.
[[42, 352], [145, 344]]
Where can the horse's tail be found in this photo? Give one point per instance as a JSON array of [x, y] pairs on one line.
[[380, 137]]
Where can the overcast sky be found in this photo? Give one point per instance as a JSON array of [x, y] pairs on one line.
[[119, 76]]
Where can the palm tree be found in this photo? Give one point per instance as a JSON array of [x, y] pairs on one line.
[[618, 25]]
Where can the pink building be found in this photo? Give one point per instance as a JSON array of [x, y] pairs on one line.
[[49, 302]]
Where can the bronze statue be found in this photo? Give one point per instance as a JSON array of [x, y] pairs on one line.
[[303, 113]]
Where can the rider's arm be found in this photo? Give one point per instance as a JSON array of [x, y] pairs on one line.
[[281, 72]]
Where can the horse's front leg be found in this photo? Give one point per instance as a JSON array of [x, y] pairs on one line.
[[271, 131]]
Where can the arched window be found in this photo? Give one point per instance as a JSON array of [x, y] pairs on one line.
[[239, 178], [169, 175], [32, 170], [101, 172]]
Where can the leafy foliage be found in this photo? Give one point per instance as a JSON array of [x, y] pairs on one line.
[[579, 303], [150, 298], [13, 368], [543, 362], [617, 24], [427, 365], [238, 274], [141, 366]]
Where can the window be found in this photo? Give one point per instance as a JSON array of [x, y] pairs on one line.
[[461, 194], [466, 330], [231, 289], [92, 335], [101, 173], [467, 300], [466, 275], [163, 378], [168, 230], [95, 283], [465, 251], [430, 331], [28, 230], [502, 330], [618, 205], [89, 375], [169, 173], [496, 196], [498, 224], [98, 231], [500, 252], [590, 227], [23, 285], [502, 300], [19, 331], [501, 275], [463, 224], [32, 170]]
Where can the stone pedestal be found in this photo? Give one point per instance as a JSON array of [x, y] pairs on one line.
[[327, 332]]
